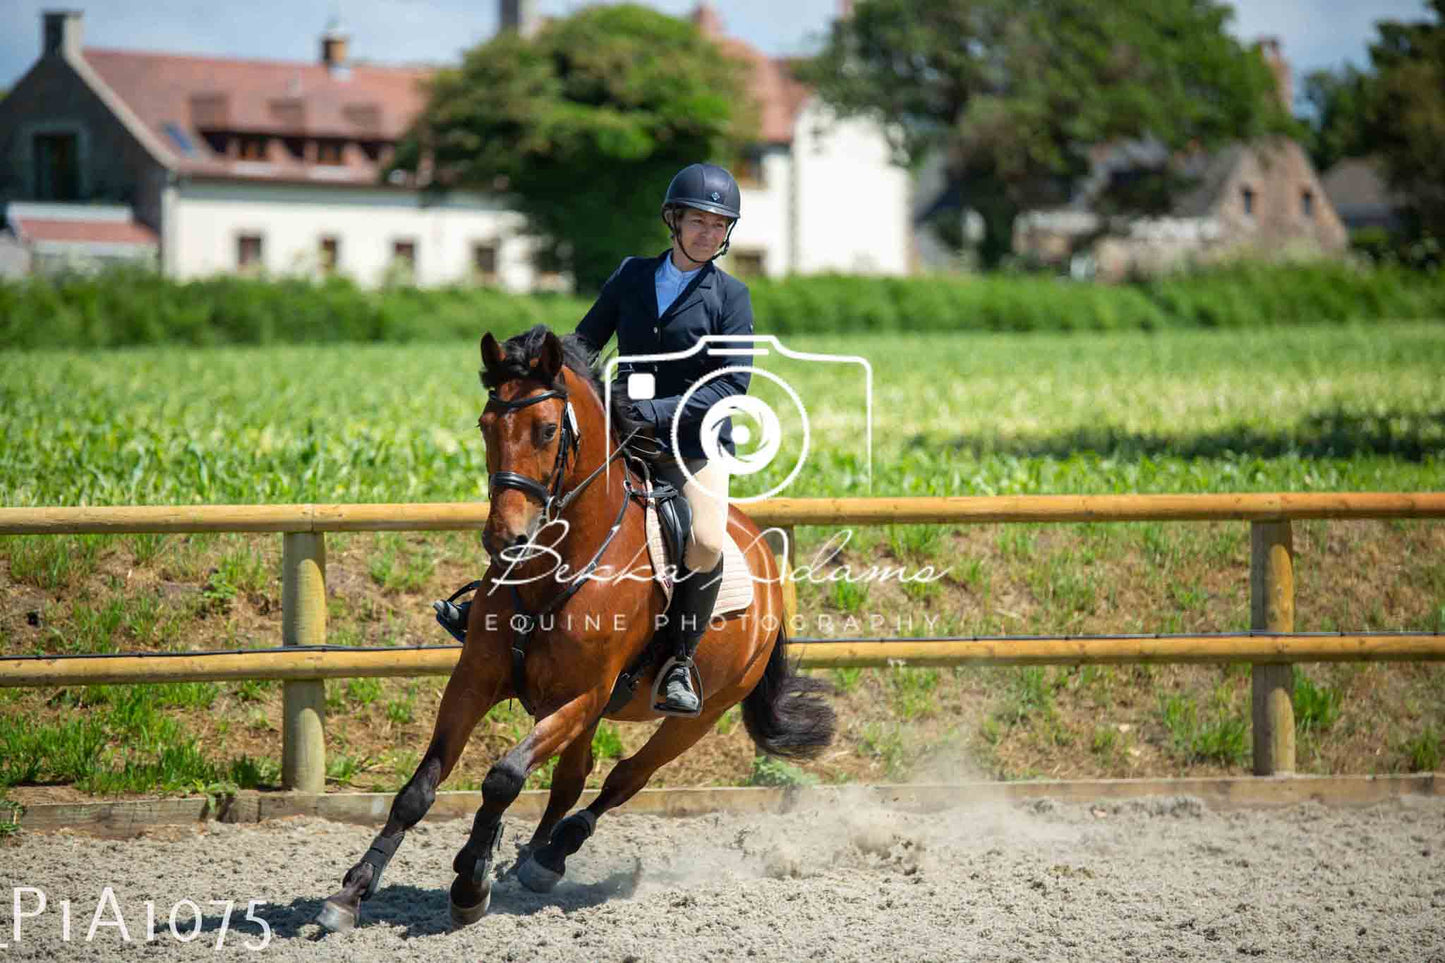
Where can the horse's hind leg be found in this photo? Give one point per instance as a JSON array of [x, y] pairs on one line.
[[679, 733], [471, 691]]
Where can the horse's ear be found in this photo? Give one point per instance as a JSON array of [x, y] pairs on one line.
[[492, 353], [549, 360]]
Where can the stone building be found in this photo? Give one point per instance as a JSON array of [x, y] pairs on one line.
[[1261, 200]]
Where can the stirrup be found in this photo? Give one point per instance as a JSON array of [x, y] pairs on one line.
[[453, 618], [452, 615], [659, 693]]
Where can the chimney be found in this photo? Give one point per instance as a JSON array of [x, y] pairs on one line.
[[708, 21], [334, 43], [520, 17], [60, 32], [1283, 84]]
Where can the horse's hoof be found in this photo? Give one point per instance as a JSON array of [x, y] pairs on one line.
[[536, 877], [467, 915], [335, 918]]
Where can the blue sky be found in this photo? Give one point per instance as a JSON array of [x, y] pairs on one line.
[[1315, 33]]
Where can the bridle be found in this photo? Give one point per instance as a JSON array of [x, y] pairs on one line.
[[548, 491], [554, 503]]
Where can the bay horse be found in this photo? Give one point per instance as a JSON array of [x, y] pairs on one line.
[[549, 451]]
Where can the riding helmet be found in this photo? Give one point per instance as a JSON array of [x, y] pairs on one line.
[[706, 187]]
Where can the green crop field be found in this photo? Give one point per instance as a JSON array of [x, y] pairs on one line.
[[1300, 408]]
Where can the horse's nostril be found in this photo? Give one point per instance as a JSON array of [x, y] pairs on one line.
[[520, 539]]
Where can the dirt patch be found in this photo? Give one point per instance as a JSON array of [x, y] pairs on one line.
[[1148, 879]]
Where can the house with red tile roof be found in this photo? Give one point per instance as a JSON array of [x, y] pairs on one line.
[[227, 164], [820, 194]]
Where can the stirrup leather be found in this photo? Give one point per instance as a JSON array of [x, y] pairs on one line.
[[659, 687]]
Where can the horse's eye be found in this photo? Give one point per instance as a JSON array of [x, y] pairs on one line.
[[549, 432]]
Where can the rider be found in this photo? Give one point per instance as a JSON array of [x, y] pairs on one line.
[[666, 304]]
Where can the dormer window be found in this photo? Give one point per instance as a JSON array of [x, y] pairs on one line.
[[1248, 195], [253, 147], [329, 152]]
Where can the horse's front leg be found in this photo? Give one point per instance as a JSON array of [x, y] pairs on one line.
[[471, 891], [568, 781], [475, 686]]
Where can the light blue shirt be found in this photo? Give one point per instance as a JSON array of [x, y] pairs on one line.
[[670, 282]]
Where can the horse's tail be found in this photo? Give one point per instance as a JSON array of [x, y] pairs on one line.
[[783, 715]]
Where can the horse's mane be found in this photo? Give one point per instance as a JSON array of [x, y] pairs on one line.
[[577, 354]]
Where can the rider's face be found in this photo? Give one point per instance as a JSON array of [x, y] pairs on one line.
[[701, 233]]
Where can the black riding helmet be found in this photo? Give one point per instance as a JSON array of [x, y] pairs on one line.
[[705, 187]]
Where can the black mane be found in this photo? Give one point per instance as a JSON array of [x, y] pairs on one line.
[[519, 350]]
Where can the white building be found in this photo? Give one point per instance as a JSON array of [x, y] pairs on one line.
[[233, 165], [820, 195]]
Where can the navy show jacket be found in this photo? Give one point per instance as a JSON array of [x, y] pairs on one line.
[[713, 302]]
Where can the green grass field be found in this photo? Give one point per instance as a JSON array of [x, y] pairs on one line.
[[1287, 409], [1348, 408]]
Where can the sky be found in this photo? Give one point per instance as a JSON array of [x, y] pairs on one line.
[[1314, 33]]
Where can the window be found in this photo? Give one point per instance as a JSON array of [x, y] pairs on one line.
[[1307, 203], [749, 169], [746, 264], [330, 254], [484, 261], [1248, 195], [57, 167], [329, 152], [296, 147], [253, 147], [404, 252], [248, 251], [218, 141]]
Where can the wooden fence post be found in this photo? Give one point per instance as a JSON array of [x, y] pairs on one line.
[[303, 622], [1271, 609], [786, 552]]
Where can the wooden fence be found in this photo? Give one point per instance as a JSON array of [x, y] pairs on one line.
[[1272, 646]]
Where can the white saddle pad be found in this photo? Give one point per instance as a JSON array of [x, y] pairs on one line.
[[736, 592]]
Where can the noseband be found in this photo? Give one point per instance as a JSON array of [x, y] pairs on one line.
[[548, 491]]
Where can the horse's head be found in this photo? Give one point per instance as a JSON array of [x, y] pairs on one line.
[[529, 438]]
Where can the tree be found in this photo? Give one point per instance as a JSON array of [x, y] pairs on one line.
[[583, 126], [1016, 92], [1340, 121], [1407, 115]]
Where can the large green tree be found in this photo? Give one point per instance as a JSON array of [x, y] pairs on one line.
[[1407, 114], [583, 126], [1339, 115], [1016, 92]]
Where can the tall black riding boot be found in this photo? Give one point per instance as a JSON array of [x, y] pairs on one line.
[[691, 610]]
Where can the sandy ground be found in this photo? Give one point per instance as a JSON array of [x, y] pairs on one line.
[[1153, 880]]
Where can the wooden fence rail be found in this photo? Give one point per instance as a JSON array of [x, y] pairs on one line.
[[1271, 654]]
